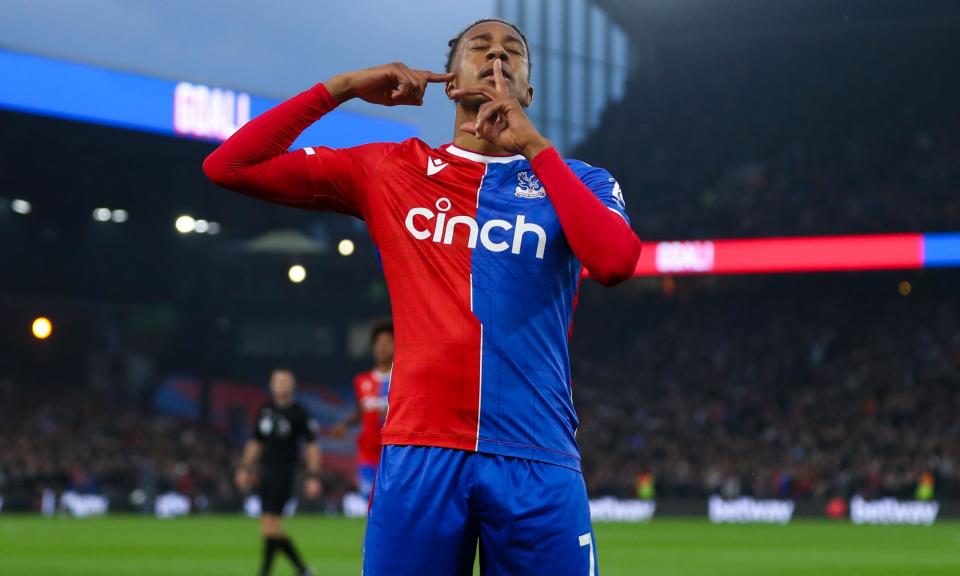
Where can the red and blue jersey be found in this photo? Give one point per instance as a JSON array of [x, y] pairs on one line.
[[483, 287], [481, 265], [371, 389]]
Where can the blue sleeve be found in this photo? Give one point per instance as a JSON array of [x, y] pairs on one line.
[[603, 185]]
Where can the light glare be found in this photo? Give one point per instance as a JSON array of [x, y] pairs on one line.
[[42, 328], [297, 273], [346, 247], [20, 206], [185, 224]]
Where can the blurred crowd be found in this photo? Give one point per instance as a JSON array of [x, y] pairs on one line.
[[79, 440], [773, 396], [759, 392], [746, 392], [76, 440]]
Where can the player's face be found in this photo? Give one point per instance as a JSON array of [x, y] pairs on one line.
[[383, 348], [479, 48], [282, 386]]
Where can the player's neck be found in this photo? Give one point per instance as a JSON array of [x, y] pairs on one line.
[[468, 141]]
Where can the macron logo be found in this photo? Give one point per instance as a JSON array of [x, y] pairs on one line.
[[435, 165]]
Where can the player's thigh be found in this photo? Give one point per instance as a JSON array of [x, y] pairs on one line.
[[535, 519], [419, 522]]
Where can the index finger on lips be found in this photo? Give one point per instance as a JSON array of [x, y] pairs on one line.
[[498, 78]]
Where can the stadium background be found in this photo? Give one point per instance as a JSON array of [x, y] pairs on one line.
[[721, 120]]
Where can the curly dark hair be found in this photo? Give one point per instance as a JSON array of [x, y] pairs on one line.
[[455, 42], [382, 326]]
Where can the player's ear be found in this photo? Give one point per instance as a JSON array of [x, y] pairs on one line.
[[526, 102], [451, 85]]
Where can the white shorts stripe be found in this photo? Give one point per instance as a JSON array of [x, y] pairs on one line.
[[587, 540]]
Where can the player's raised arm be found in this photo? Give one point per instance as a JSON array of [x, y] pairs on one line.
[[599, 237], [388, 85], [255, 160]]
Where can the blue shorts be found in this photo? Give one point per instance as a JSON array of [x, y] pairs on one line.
[[431, 506], [366, 473]]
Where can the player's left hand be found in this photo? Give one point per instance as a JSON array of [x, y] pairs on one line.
[[312, 488], [501, 120]]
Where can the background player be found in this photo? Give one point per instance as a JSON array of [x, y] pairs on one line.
[[483, 243], [281, 424], [371, 389]]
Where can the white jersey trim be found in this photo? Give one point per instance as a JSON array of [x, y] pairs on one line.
[[480, 376], [482, 157]]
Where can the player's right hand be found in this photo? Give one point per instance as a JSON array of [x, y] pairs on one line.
[[388, 85]]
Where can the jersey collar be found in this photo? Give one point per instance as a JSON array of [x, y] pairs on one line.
[[484, 158]]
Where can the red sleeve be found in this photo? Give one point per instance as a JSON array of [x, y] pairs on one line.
[[255, 160], [356, 386], [599, 237]]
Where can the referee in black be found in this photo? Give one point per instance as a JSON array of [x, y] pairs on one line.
[[280, 426]]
